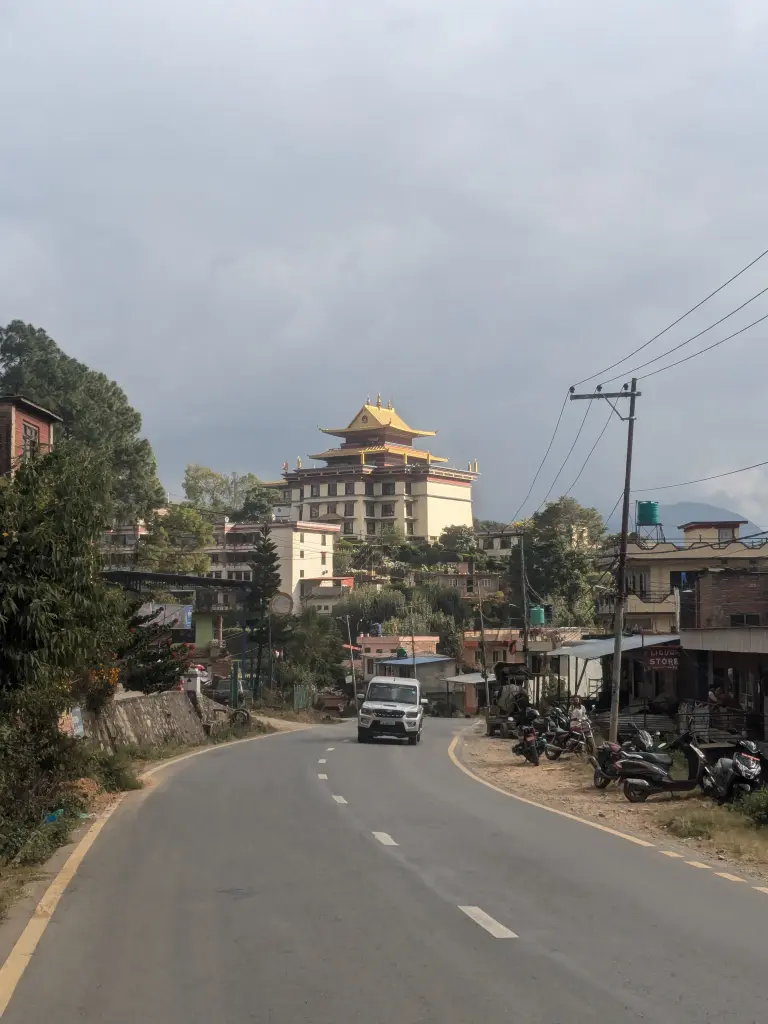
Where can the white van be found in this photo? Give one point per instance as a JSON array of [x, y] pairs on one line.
[[390, 707]]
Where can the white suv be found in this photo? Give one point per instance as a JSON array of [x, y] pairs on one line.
[[390, 707]]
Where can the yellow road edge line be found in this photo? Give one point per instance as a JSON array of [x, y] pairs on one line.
[[541, 807], [26, 944]]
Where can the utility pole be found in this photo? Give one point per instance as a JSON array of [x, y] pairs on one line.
[[485, 654], [524, 589], [621, 577]]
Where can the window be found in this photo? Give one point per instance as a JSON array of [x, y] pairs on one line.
[[214, 559], [349, 487], [408, 486], [506, 542], [369, 663], [388, 488], [452, 581], [314, 491], [301, 512], [301, 573], [370, 509], [743, 619], [286, 495], [301, 494], [486, 583], [370, 528], [409, 508], [246, 576], [314, 511], [301, 538], [31, 438], [349, 508], [230, 575], [301, 554], [322, 557], [388, 509], [349, 527], [367, 650], [217, 575], [332, 490], [409, 528], [331, 511], [369, 488], [324, 537]]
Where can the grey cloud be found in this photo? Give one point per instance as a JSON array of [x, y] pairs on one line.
[[252, 215]]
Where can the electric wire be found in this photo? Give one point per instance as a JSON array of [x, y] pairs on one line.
[[700, 480], [567, 457], [591, 452], [513, 520], [674, 322]]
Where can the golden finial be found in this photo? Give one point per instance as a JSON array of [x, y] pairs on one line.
[[389, 404], [476, 466], [298, 462], [378, 400], [469, 467]]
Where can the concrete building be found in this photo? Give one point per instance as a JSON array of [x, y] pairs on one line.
[[377, 482], [497, 543], [470, 585], [658, 571], [323, 594], [376, 648], [24, 428]]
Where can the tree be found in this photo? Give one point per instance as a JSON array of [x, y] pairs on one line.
[[563, 544], [315, 644], [95, 411], [458, 539], [58, 619], [175, 541], [150, 661], [242, 496], [265, 583]]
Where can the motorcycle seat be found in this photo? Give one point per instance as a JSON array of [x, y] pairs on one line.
[[664, 760]]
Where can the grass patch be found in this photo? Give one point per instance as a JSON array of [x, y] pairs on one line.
[[722, 831]]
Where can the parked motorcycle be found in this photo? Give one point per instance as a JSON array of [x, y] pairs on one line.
[[738, 776], [528, 746], [639, 745], [570, 738], [642, 778]]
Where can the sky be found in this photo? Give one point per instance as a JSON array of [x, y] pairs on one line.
[[253, 215]]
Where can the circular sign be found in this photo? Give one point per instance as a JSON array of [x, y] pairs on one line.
[[281, 604]]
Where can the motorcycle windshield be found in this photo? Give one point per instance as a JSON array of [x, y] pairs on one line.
[[747, 765]]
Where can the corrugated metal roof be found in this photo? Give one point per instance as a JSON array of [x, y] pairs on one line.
[[589, 650], [420, 659]]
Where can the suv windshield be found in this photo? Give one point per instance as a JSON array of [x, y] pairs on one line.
[[392, 691]]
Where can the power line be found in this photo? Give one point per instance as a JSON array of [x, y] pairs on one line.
[[591, 451], [674, 322], [700, 480], [541, 464], [701, 351], [565, 460], [694, 337]]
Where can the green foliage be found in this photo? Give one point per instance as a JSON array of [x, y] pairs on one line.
[[243, 496], [563, 543], [95, 411], [755, 807], [150, 661], [175, 541], [265, 575], [367, 604], [114, 771], [458, 539], [314, 649]]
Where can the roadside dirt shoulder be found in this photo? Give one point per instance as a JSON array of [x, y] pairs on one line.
[[567, 786]]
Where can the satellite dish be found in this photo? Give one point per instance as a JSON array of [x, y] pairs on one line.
[[281, 604]]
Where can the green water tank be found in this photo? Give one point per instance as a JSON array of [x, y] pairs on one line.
[[648, 513], [536, 615]]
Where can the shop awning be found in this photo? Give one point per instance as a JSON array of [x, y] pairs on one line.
[[590, 650]]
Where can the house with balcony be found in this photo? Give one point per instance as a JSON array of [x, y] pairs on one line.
[[25, 427], [660, 572]]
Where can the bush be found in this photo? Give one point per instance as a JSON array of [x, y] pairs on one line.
[[115, 772], [755, 807]]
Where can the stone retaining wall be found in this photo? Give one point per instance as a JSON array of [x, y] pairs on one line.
[[145, 721]]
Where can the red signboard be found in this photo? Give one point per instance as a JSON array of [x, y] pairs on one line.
[[663, 657]]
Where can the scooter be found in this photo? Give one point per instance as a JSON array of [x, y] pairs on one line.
[[642, 778], [639, 746], [738, 776]]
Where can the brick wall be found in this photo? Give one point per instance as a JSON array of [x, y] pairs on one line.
[[13, 419], [721, 595]]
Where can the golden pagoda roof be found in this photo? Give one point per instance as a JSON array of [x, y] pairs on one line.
[[372, 416], [396, 449]]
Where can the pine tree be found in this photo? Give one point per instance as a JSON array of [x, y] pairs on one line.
[[151, 662], [265, 583]]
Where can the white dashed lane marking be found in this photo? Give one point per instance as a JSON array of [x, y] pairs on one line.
[[329, 749], [491, 925], [385, 839], [339, 799], [322, 760], [320, 775]]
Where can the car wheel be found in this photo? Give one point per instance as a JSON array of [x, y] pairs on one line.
[[362, 736], [413, 740], [418, 736]]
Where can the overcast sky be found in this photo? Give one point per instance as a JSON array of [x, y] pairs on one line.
[[254, 213]]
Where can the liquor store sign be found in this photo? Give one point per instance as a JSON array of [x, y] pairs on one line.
[[663, 657]]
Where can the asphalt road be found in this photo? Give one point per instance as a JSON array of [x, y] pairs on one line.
[[241, 890]]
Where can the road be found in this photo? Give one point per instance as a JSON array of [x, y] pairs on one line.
[[247, 888]]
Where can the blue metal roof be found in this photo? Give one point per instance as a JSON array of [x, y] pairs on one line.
[[420, 659]]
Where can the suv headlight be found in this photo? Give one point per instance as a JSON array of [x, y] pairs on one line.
[[411, 714]]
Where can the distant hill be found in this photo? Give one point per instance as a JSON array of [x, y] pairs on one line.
[[684, 512]]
